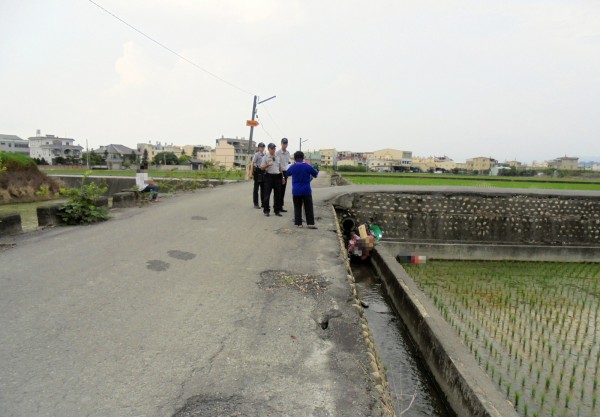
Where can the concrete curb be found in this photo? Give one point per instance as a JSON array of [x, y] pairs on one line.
[[377, 368], [489, 252], [10, 224], [468, 389]]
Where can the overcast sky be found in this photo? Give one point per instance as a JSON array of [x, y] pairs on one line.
[[506, 78]]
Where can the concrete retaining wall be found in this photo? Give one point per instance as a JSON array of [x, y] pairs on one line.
[[125, 199], [114, 185], [468, 390], [478, 217], [10, 224], [48, 215]]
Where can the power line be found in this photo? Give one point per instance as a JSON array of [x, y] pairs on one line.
[[263, 127], [170, 50], [274, 122]]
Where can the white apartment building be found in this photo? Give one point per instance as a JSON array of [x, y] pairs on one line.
[[13, 143], [50, 147]]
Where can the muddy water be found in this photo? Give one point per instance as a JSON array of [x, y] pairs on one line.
[[407, 375], [28, 212]]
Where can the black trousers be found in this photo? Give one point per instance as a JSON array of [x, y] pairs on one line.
[[283, 186], [299, 201], [258, 185], [272, 183]]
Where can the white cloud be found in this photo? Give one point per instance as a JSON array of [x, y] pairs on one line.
[[132, 67]]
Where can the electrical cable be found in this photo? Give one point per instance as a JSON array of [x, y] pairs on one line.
[[170, 50], [263, 127], [274, 122]]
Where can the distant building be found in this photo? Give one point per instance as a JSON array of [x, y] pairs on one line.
[[51, 148], [328, 157], [481, 163], [12, 143], [201, 153], [349, 158], [313, 158], [436, 163], [118, 156], [234, 153], [157, 148], [538, 164], [514, 164], [564, 162], [348, 163], [390, 160]]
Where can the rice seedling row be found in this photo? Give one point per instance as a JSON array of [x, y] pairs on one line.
[[532, 326]]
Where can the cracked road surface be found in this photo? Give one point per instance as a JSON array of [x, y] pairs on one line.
[[155, 313]]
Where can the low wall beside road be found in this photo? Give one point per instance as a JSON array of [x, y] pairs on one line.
[[477, 217]]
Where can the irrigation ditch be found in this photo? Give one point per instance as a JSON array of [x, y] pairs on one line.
[[505, 327]]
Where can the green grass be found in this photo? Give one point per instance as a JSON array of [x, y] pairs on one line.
[[475, 181], [532, 326]]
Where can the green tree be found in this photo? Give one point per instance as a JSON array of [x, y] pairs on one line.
[[165, 158], [94, 158], [184, 159], [144, 164]]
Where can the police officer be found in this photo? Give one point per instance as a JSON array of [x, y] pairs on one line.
[[271, 165], [285, 158], [258, 175]]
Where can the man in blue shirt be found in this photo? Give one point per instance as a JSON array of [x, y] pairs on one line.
[[302, 174]]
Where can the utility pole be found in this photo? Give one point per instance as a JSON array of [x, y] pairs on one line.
[[300, 144], [87, 152], [252, 122], [252, 125]]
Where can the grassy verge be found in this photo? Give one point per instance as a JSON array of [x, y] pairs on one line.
[[204, 174], [532, 326]]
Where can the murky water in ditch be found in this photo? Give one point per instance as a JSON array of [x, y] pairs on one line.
[[407, 375], [28, 212]]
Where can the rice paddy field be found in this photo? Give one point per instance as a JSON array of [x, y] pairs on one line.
[[473, 181], [532, 326]]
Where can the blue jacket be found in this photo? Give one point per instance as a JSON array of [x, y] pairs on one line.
[[301, 174]]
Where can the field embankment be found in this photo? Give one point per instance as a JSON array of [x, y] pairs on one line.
[[21, 180], [574, 183]]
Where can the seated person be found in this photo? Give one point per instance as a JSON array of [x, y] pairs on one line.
[[146, 185]]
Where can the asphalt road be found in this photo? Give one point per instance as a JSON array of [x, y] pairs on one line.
[[196, 306]]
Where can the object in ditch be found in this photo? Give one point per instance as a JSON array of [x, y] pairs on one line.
[[376, 232], [361, 247], [411, 259]]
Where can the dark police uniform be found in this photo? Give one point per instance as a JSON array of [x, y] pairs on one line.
[[259, 178]]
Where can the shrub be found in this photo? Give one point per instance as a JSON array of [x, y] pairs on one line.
[[21, 179], [82, 205], [11, 161]]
